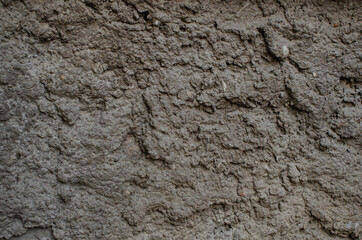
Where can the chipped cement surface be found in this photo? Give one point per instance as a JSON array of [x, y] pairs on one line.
[[180, 119]]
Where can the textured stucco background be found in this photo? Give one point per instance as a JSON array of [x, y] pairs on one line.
[[185, 119]]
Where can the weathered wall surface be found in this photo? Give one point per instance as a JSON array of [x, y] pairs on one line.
[[180, 119]]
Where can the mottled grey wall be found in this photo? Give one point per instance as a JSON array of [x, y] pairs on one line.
[[180, 119]]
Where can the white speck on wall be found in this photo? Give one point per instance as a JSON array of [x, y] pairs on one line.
[[156, 23], [224, 87], [285, 51]]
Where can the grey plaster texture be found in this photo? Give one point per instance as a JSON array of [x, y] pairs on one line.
[[130, 119]]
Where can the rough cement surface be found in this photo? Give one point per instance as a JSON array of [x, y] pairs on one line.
[[180, 119]]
